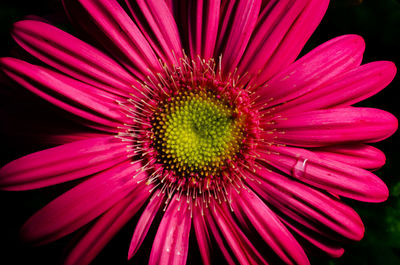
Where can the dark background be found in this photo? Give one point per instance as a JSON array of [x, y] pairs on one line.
[[378, 21]]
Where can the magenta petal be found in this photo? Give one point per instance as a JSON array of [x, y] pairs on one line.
[[105, 228], [315, 242], [240, 245], [62, 163], [309, 207], [320, 66], [144, 223], [276, 21], [270, 228], [359, 155], [72, 56], [334, 126], [202, 234], [336, 177], [294, 39], [347, 89], [82, 204], [158, 25], [76, 97], [203, 18], [219, 238], [171, 244], [116, 31], [237, 21]]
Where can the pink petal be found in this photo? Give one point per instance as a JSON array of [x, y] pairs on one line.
[[202, 234], [69, 94], [144, 223], [240, 245], [309, 207], [270, 228], [275, 21], [314, 242], [321, 65], [336, 177], [237, 21], [72, 56], [105, 228], [294, 39], [349, 88], [171, 243], [82, 204], [156, 22], [114, 29], [360, 155], [62, 163], [334, 126], [202, 20]]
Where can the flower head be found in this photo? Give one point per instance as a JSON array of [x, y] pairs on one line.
[[202, 113]]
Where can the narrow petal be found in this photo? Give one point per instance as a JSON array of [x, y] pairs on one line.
[[105, 228], [202, 234], [309, 207], [158, 26], [72, 56], [237, 21], [347, 89], [83, 100], [109, 24], [360, 155], [144, 223], [203, 18], [321, 65], [171, 243], [270, 228], [313, 242], [334, 176], [219, 238], [82, 204], [294, 39], [334, 126], [62, 163], [240, 245]]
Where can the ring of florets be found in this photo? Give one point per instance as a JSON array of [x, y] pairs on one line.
[[193, 128]]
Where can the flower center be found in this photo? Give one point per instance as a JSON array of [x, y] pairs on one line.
[[196, 133]]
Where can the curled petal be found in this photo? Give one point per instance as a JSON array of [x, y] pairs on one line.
[[336, 177]]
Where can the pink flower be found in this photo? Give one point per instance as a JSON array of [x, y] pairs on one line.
[[203, 115]]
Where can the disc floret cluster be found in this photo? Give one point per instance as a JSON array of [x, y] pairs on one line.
[[193, 128]]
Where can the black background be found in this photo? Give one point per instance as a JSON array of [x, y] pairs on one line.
[[378, 21]]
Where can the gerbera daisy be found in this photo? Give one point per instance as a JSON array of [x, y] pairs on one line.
[[201, 113]]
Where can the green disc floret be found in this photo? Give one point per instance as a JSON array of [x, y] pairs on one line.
[[196, 133]]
